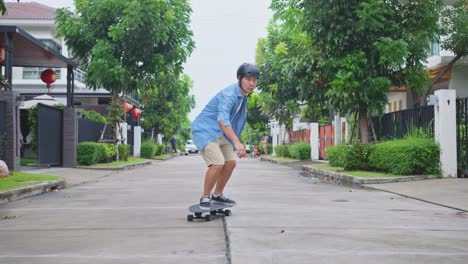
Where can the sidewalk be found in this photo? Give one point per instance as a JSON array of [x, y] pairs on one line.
[[447, 192], [452, 193], [69, 177]]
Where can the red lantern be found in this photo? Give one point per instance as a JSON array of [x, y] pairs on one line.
[[2, 55], [127, 107], [48, 76], [136, 113]]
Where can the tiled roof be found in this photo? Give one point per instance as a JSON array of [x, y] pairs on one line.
[[28, 10]]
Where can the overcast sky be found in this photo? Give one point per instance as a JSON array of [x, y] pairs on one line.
[[226, 34]]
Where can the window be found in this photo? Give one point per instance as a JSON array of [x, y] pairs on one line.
[[52, 44], [34, 73], [434, 49]]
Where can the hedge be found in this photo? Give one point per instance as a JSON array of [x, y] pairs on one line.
[[148, 150], [123, 151], [282, 151], [90, 153], [299, 151], [410, 156], [337, 155]]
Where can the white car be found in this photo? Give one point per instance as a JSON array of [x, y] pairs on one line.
[[190, 147]]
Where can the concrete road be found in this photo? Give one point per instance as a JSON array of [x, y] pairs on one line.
[[139, 216]]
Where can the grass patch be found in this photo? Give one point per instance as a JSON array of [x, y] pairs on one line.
[[21, 179], [120, 162], [282, 159], [357, 173], [25, 162], [163, 156]]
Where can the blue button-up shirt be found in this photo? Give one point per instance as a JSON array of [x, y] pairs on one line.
[[228, 105]]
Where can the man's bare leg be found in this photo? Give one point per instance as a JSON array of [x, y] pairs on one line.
[[211, 177], [224, 176]]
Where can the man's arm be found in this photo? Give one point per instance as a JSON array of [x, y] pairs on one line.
[[229, 132]]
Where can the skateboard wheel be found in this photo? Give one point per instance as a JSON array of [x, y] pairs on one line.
[[227, 212], [207, 217], [190, 218]]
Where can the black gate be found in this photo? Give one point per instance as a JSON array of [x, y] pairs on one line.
[[398, 124], [50, 135], [462, 139], [2, 130]]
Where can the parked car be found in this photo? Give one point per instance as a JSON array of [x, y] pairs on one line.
[[190, 147]]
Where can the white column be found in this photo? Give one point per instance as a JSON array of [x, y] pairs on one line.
[[274, 135], [445, 131], [314, 141], [123, 129], [338, 135], [136, 141]]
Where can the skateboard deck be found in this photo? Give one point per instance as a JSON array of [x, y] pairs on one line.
[[215, 209]]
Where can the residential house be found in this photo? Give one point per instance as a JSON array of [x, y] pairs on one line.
[[38, 20], [400, 98]]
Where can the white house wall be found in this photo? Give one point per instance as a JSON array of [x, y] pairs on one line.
[[459, 80]]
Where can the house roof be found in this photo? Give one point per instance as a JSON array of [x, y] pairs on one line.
[[29, 51], [28, 10]]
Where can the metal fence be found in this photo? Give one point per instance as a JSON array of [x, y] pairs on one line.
[[2, 130], [398, 124], [462, 137], [91, 131]]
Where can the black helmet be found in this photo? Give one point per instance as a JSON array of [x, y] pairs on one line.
[[247, 69]]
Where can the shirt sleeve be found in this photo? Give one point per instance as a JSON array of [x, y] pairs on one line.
[[225, 104]]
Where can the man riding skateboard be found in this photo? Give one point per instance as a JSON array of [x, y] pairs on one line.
[[217, 129]]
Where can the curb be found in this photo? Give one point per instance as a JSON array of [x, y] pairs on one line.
[[115, 168], [348, 180], [40, 188]]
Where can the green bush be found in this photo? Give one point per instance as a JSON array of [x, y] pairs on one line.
[[260, 148], [123, 151], [92, 115], [357, 157], [89, 153], [102, 152], [337, 155], [110, 150], [409, 156], [300, 151], [282, 151], [148, 150], [159, 150]]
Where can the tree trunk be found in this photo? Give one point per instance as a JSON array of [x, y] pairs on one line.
[[374, 136], [363, 125], [353, 129]]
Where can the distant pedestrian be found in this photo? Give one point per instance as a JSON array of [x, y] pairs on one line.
[[166, 149], [173, 145], [265, 144]]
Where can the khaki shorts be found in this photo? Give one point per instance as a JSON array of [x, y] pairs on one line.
[[217, 152]]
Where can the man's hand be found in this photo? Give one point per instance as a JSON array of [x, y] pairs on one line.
[[240, 150]]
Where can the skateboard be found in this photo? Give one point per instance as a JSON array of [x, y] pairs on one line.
[[216, 209]]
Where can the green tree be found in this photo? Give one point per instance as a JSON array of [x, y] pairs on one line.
[[368, 45], [124, 46], [167, 105], [454, 21], [130, 47]]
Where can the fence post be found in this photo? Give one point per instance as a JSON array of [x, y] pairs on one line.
[[70, 137], [136, 141], [11, 128], [123, 127], [337, 127], [314, 141], [445, 131]]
